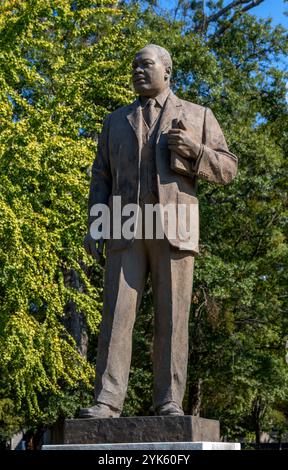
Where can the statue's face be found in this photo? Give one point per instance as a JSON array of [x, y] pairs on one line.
[[149, 75]]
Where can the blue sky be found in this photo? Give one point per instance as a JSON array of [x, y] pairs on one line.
[[274, 9], [269, 8]]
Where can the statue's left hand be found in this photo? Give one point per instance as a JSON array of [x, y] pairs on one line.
[[94, 248], [181, 142]]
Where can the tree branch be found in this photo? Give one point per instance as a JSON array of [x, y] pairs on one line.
[[253, 4], [274, 217], [177, 9], [234, 4], [224, 10], [234, 17]]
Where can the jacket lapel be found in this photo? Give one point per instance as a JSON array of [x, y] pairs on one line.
[[172, 110], [134, 119]]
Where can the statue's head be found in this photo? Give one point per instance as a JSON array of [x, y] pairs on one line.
[[151, 70]]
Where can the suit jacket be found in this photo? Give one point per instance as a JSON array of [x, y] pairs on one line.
[[115, 171]]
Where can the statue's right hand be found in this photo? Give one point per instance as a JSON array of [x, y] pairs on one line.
[[93, 247], [89, 245]]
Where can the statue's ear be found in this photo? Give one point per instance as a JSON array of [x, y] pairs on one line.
[[168, 72]]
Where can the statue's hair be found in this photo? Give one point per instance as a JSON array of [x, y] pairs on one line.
[[162, 53]]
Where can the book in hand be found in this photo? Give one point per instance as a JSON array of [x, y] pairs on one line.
[[180, 164]]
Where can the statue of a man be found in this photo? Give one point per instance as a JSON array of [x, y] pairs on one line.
[[151, 152]]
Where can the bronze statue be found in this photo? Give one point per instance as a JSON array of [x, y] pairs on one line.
[[151, 152]]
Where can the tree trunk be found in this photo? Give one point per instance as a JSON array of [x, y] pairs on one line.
[[258, 410], [195, 397], [74, 321]]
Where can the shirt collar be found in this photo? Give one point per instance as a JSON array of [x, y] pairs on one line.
[[160, 99]]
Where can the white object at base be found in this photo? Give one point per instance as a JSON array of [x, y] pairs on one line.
[[148, 446]]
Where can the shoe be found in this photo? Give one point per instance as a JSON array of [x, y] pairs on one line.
[[100, 411], [170, 409]]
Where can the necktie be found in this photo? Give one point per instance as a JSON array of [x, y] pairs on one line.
[[150, 112]]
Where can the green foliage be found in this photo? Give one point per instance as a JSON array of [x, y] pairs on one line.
[[239, 317], [241, 275], [64, 65], [10, 423]]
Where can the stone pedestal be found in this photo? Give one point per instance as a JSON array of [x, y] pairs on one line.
[[145, 433], [142, 429]]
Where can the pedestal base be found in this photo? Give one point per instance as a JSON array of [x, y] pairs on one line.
[[141, 429]]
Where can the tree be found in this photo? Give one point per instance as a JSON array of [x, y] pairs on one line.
[[64, 65], [238, 325]]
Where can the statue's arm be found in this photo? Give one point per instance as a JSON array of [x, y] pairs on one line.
[[101, 180], [100, 189], [214, 162]]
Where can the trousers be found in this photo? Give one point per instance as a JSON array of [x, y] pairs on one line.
[[125, 276]]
